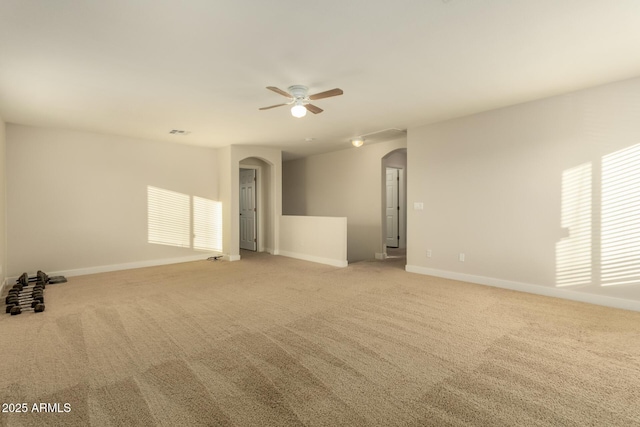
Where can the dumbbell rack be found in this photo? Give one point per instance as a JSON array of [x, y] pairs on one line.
[[27, 294]]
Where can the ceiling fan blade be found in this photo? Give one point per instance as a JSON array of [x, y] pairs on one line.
[[326, 94], [313, 108], [280, 91], [272, 106]]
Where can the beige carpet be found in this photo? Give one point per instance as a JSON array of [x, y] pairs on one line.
[[272, 341]]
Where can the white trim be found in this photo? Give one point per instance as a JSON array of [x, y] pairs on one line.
[[320, 260], [232, 257], [603, 300], [128, 266]]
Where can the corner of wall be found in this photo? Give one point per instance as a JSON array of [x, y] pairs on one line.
[[603, 300], [3, 205], [502, 187]]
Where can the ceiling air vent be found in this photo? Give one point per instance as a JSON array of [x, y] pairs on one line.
[[179, 132]]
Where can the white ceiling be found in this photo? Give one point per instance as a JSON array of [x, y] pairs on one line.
[[140, 68]]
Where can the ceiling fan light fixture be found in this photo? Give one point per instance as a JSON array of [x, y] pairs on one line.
[[298, 110], [357, 142], [297, 95]]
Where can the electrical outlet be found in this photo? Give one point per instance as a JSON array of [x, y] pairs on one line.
[[428, 253], [461, 257]]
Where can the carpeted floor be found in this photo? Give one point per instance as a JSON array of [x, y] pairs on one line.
[[273, 341]]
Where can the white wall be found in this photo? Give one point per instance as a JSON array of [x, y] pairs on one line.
[[314, 238], [3, 205], [345, 183], [79, 200], [492, 188]]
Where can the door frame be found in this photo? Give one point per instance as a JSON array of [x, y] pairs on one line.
[[259, 206], [402, 198], [402, 215], [399, 211]]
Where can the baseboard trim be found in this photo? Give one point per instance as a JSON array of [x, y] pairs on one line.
[[380, 255], [127, 266], [529, 288], [312, 258]]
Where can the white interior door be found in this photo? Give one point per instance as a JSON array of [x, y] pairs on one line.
[[392, 209], [248, 230]]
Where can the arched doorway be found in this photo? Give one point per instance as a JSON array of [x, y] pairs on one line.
[[255, 199], [393, 196]]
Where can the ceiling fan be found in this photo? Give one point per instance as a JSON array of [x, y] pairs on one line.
[[301, 100]]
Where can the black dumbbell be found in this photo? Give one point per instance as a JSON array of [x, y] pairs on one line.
[[24, 299], [15, 304], [23, 304], [37, 292], [36, 280], [24, 279], [21, 286], [16, 291], [26, 291], [17, 309], [33, 295], [26, 285], [19, 299], [29, 285], [30, 290]]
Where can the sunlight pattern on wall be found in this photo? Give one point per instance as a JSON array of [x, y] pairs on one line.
[[168, 217], [177, 219], [573, 253], [207, 224], [620, 239]]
